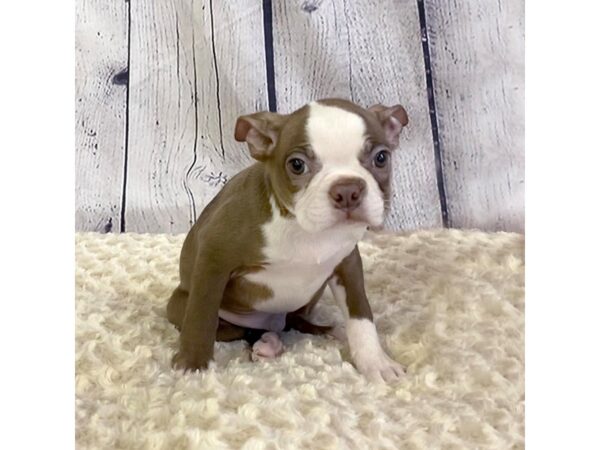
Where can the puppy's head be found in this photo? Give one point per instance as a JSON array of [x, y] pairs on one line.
[[329, 162]]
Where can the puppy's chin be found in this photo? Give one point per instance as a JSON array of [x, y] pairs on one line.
[[313, 225], [336, 219], [356, 217]]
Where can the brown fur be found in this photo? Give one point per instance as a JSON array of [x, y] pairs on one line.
[[226, 241]]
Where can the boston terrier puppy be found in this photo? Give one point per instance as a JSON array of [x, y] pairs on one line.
[[263, 250]]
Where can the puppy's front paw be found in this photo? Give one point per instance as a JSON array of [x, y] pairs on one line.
[[379, 367], [189, 362], [338, 332], [268, 346]]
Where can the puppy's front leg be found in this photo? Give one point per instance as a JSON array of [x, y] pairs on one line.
[[347, 286], [199, 327]]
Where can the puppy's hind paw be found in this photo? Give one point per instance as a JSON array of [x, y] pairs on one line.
[[338, 332], [267, 347]]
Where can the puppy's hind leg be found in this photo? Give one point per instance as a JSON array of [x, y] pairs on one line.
[[176, 309], [296, 322], [299, 323], [176, 306]]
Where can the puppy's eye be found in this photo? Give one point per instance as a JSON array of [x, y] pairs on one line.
[[381, 158], [297, 166]]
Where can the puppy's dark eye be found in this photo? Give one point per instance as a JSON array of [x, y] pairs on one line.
[[381, 158], [297, 166]]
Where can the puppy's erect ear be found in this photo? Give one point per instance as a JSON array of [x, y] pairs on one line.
[[260, 131], [392, 119]]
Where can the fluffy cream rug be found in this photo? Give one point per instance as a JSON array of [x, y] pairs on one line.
[[448, 305]]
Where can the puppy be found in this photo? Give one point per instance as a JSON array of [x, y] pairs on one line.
[[263, 250]]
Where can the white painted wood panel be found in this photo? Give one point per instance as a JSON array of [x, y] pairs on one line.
[[368, 51], [196, 65], [100, 113], [194, 68], [477, 55], [162, 116]]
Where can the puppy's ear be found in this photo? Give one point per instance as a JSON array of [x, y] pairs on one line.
[[392, 119], [260, 131]]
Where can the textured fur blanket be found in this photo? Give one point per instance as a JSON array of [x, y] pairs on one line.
[[448, 304]]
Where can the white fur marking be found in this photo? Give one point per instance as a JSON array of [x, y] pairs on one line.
[[367, 354], [339, 294], [337, 137], [299, 262]]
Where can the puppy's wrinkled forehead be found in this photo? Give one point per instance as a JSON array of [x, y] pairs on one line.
[[335, 134]]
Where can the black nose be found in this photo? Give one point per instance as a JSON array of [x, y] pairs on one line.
[[346, 194]]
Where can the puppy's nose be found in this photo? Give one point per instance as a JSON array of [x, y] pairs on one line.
[[346, 194]]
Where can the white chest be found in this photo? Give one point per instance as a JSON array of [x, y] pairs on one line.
[[298, 262]]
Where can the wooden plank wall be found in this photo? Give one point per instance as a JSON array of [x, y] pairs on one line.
[[160, 84], [101, 112], [336, 59], [477, 59], [194, 68]]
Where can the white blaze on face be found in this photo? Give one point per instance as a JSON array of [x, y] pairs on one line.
[[337, 138]]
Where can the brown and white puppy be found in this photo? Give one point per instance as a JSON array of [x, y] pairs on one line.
[[264, 249]]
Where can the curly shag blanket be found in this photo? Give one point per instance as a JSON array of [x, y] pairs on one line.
[[448, 304]]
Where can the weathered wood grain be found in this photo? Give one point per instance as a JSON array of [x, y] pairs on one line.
[[195, 67], [368, 51], [100, 113], [198, 64], [477, 56]]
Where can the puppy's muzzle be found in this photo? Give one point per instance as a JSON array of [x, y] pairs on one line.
[[347, 193]]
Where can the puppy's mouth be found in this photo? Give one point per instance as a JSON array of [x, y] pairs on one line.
[[354, 216]]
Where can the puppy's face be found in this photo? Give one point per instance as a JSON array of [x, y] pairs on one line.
[[329, 162]]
